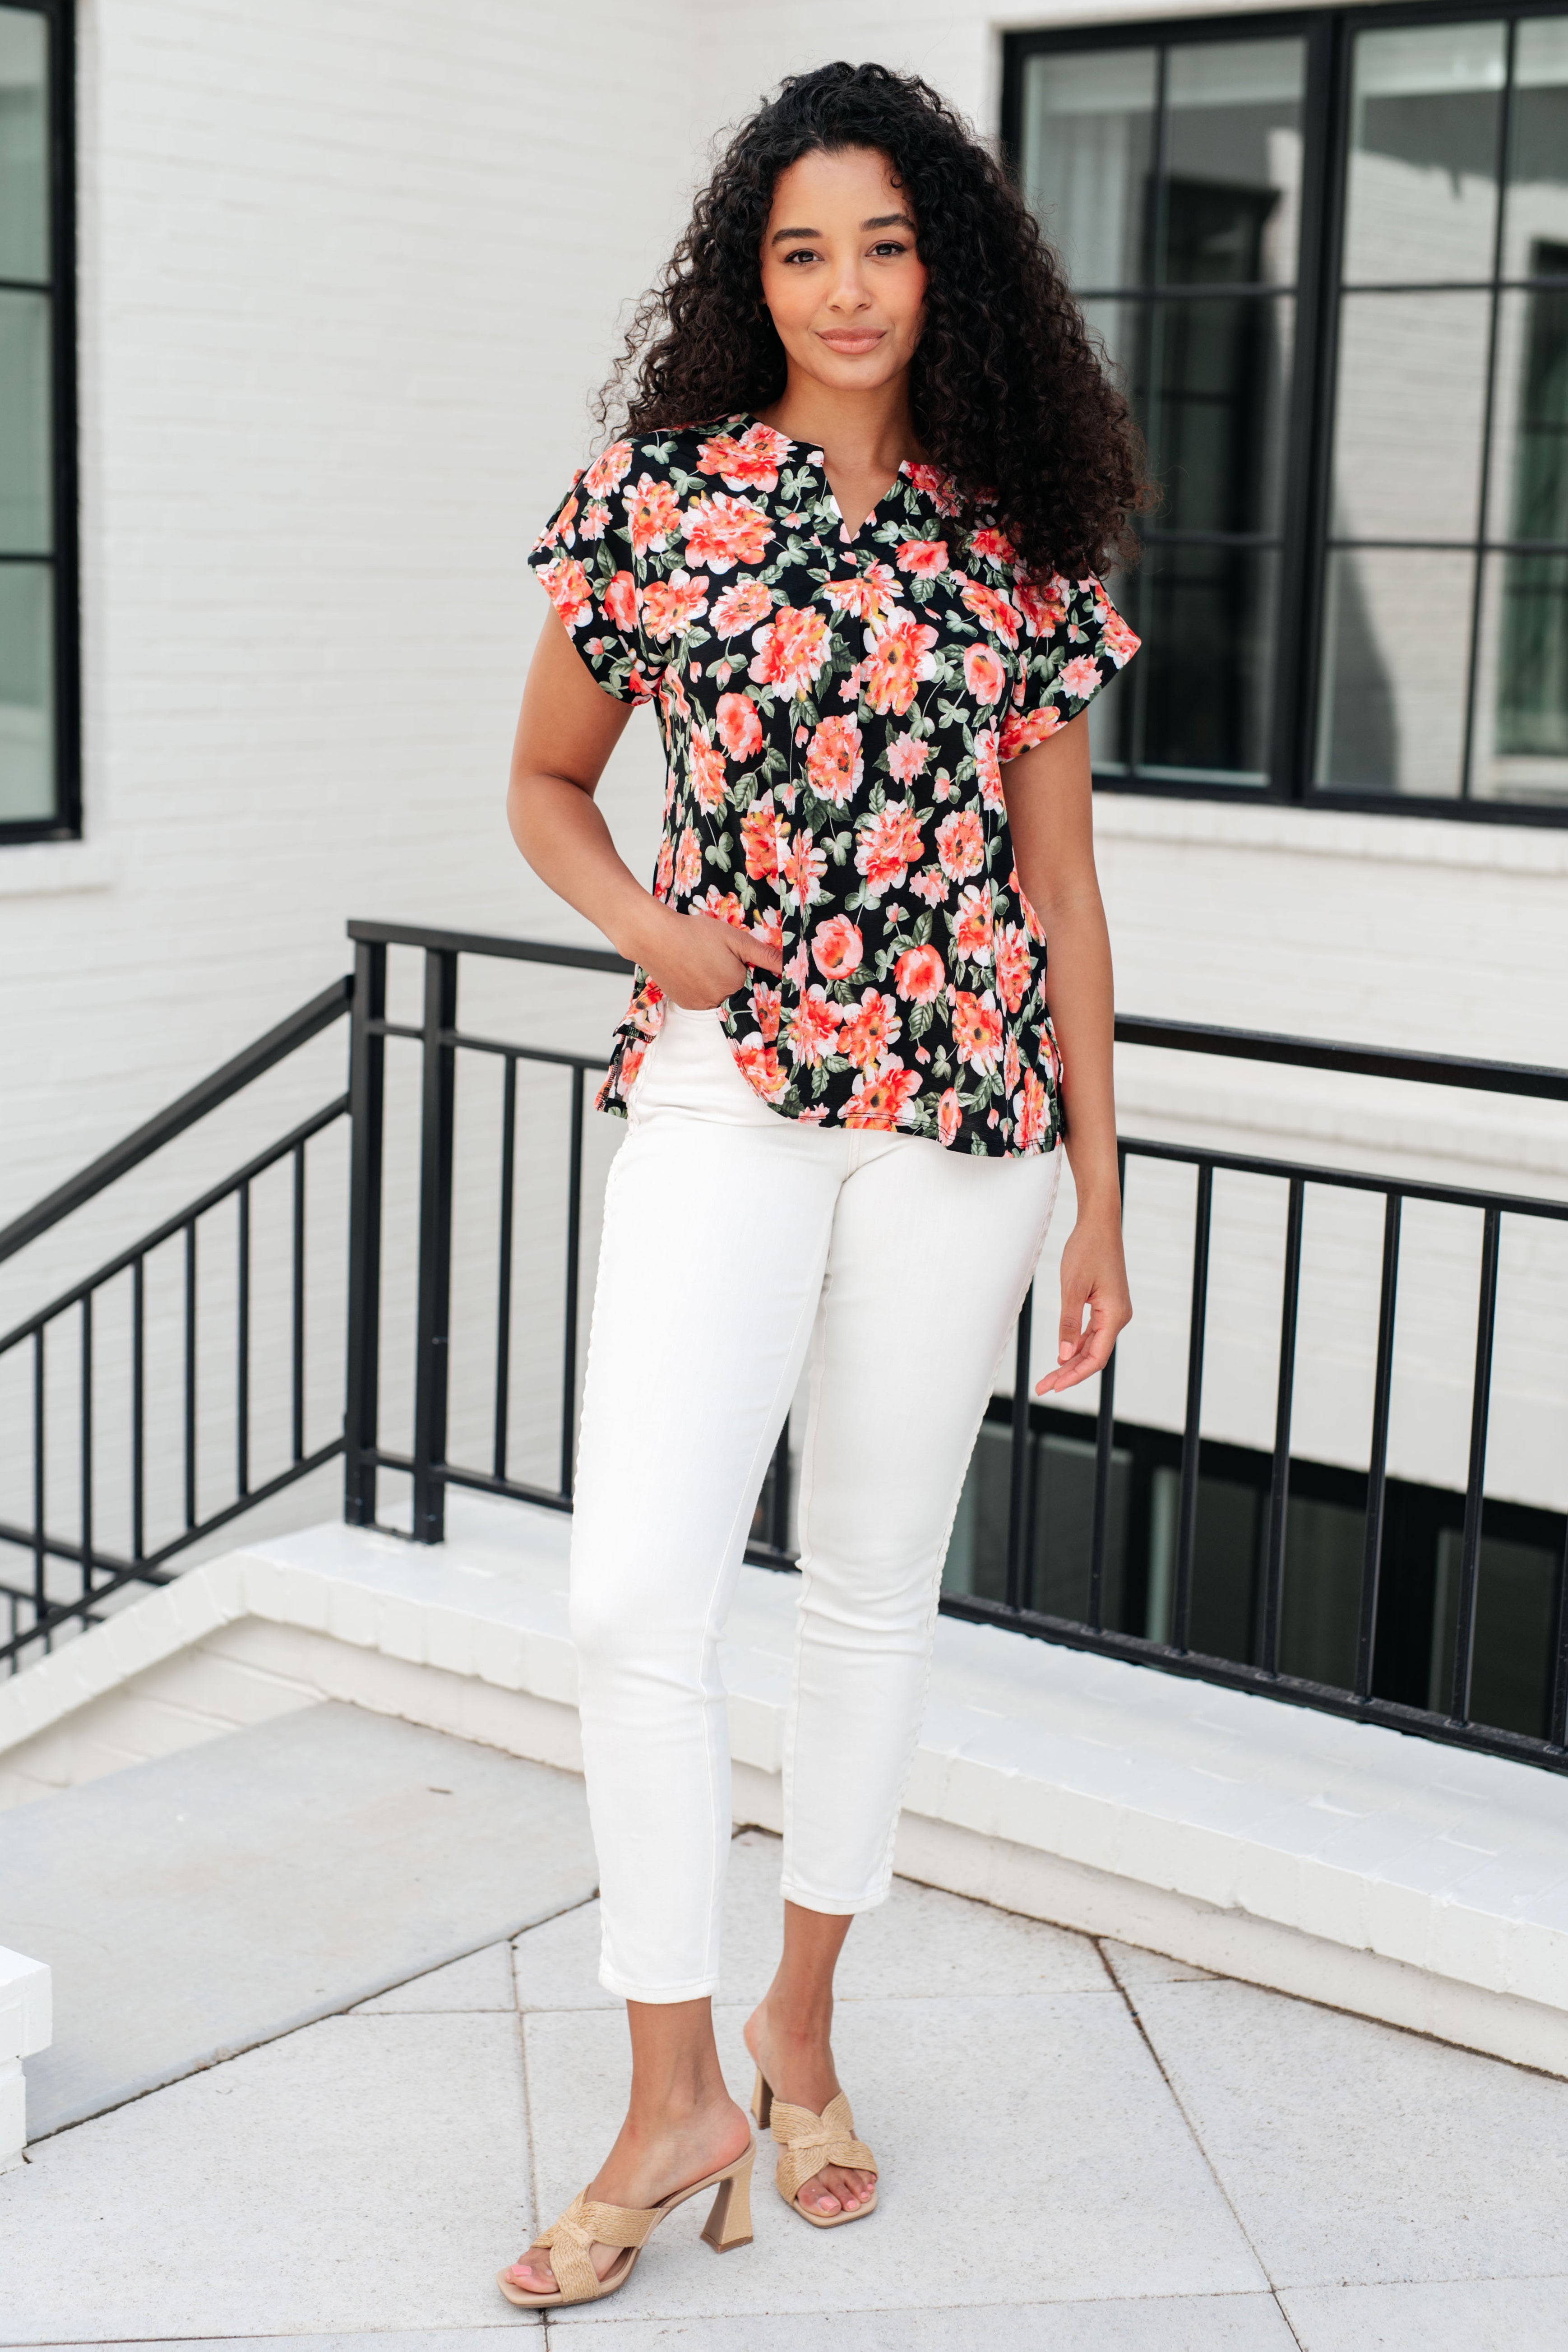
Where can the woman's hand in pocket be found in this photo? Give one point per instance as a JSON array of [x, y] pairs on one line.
[[697, 960]]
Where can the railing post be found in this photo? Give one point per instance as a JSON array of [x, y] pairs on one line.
[[432, 1339], [1187, 1510], [367, 1067], [1020, 1486], [1474, 1485]]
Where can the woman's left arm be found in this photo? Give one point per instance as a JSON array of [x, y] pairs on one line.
[[1050, 813]]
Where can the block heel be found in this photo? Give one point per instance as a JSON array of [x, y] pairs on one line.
[[729, 2224], [586, 2222]]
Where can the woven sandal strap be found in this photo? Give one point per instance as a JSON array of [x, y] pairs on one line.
[[807, 2142], [586, 2223]]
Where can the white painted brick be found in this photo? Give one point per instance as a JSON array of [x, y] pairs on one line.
[[200, 1603], [351, 1612], [400, 1627], [1468, 1944], [449, 1639]]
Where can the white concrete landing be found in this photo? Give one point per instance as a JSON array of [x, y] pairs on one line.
[[1386, 1876], [191, 1907], [1084, 2149]]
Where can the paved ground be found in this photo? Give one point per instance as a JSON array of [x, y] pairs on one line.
[[214, 1899], [1085, 2150]]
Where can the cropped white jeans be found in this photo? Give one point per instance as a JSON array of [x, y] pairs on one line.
[[734, 1240]]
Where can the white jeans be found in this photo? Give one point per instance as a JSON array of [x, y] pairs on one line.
[[735, 1239]]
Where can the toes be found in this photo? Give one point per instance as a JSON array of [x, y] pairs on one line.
[[534, 2278]]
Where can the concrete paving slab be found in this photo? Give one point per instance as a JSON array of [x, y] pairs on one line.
[[210, 1900], [1038, 2126], [922, 1944], [400, 2339], [483, 1982], [1133, 1968], [1238, 2323], [368, 2172], [1465, 2315], [1355, 2154]]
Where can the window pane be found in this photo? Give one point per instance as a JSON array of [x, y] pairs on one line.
[[1234, 162], [1396, 640], [26, 692], [24, 424], [1529, 461], [1421, 196], [1411, 398], [23, 145], [1521, 682], [1223, 365], [1122, 329], [1089, 143], [1207, 620], [1538, 189]]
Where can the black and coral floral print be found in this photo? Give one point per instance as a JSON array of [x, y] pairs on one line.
[[835, 712]]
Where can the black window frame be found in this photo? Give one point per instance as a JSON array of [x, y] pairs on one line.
[[65, 822], [1329, 36]]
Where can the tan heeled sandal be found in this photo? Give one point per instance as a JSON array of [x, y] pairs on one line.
[[806, 2143], [586, 2223]]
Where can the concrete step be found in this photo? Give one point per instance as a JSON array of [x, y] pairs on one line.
[[215, 1898]]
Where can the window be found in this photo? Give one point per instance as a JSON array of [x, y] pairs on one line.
[[1329, 256], [40, 795]]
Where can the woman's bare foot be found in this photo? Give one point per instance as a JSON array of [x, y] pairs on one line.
[[644, 2166], [797, 2064]]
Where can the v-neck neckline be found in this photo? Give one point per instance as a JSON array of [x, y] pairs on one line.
[[813, 454]]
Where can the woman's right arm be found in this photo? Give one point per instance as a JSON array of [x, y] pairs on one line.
[[567, 730]]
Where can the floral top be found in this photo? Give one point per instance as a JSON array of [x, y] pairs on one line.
[[836, 710]]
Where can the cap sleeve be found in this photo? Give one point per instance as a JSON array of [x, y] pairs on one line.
[[1074, 643], [587, 568]]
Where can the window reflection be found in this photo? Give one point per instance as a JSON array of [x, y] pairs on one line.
[[1397, 634], [1215, 432], [1233, 160], [1410, 405], [1538, 164], [1208, 615], [1206, 371], [1523, 685], [24, 408], [1427, 109], [1088, 151], [26, 692], [23, 146], [27, 590]]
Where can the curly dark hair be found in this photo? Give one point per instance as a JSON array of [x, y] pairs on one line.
[[1007, 394]]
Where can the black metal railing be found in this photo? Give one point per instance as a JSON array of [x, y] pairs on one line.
[[38, 1609], [427, 1464], [1264, 1672], [421, 1258], [432, 1472]]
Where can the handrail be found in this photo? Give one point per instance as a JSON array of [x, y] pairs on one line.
[[131, 1150], [1362, 1060], [307, 1129], [420, 935], [1131, 1028]]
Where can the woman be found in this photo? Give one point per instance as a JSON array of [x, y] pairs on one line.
[[846, 545]]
